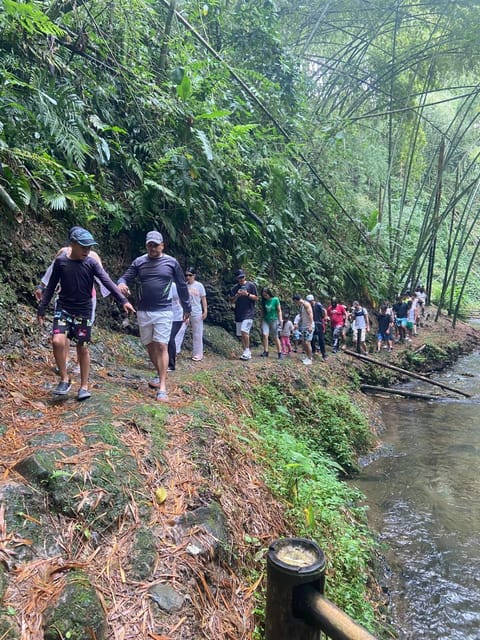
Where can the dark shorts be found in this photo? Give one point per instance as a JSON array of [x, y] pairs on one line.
[[77, 329], [385, 337]]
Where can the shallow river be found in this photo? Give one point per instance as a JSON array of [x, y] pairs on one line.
[[424, 497]]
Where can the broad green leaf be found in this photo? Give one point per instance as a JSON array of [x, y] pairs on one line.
[[184, 89]]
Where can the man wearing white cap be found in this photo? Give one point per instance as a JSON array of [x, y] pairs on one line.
[[156, 272]]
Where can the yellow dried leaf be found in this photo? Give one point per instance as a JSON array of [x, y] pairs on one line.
[[160, 495]]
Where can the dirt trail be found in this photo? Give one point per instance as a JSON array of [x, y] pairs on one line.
[[198, 463]]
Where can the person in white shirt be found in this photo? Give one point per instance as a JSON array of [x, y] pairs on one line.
[[198, 302], [360, 326]]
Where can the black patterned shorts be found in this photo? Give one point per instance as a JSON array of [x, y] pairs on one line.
[[76, 328]]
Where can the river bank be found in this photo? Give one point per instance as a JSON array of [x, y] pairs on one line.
[[159, 516], [423, 494]]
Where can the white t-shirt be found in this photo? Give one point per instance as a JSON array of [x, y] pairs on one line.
[[176, 306], [197, 292], [359, 320]]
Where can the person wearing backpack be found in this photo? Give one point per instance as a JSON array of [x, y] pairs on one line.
[[360, 326]]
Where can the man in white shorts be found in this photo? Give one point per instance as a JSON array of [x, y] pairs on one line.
[[244, 296], [156, 272]]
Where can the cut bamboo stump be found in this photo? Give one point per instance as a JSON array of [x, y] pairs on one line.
[[410, 374]]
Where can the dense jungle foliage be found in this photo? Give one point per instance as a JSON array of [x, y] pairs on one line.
[[333, 145]]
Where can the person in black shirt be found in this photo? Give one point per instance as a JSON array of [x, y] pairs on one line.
[[243, 296], [73, 312], [319, 318], [400, 308], [385, 328]]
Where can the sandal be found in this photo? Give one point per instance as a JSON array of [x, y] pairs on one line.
[[154, 383], [162, 396]]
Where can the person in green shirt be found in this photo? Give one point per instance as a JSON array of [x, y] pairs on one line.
[[272, 320]]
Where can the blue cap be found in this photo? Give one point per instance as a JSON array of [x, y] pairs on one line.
[[82, 237]]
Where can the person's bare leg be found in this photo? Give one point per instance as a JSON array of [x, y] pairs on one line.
[[158, 354], [83, 356], [307, 346], [60, 345], [265, 342], [278, 343]]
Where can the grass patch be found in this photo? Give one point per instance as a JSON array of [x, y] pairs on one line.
[[305, 442]]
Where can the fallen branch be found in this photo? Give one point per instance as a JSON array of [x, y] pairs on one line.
[[398, 392], [410, 374]]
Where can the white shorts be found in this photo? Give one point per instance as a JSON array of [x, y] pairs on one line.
[[363, 334], [244, 327], [154, 326]]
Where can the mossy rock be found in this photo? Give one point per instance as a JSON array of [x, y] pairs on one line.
[[104, 491], [72, 492], [78, 614], [144, 554], [221, 342], [24, 517]]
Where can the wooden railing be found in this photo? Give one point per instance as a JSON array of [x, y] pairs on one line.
[[296, 607]]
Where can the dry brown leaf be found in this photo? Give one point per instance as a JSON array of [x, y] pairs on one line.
[[18, 397]]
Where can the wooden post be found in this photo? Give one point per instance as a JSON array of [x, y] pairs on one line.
[[291, 562]]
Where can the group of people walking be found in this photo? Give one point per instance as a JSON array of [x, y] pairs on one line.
[[308, 328], [169, 299]]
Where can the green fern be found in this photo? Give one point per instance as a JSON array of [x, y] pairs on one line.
[[56, 201]]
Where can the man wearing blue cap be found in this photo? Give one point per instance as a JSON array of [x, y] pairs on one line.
[[156, 271], [73, 312]]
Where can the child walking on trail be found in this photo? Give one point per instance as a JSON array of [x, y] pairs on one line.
[[296, 334], [285, 333], [73, 312]]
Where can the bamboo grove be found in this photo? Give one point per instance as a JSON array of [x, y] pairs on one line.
[[328, 143]]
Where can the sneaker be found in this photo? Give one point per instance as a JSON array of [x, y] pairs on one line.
[[264, 354], [83, 394], [162, 396], [280, 356], [307, 361], [62, 388], [197, 358], [170, 369], [246, 355], [154, 383]]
